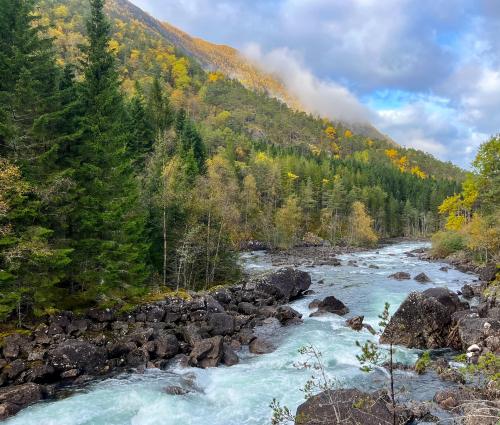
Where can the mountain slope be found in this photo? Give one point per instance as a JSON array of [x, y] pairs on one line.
[[146, 47], [229, 61]]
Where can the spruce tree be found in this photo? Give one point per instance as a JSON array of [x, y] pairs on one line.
[[31, 261], [106, 223], [28, 79], [159, 108], [140, 130]]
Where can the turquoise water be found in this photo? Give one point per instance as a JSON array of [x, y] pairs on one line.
[[240, 395]]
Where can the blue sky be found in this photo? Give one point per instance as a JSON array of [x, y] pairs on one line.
[[425, 72]]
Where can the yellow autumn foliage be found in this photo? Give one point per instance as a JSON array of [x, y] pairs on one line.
[[330, 132]]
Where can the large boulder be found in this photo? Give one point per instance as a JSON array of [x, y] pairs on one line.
[[331, 305], [261, 346], [283, 285], [166, 346], [423, 320], [14, 398], [347, 407], [80, 355], [220, 324], [207, 352], [422, 278]]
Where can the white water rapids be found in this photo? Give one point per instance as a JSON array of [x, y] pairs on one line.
[[240, 395]]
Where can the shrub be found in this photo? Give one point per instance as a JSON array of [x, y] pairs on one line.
[[446, 243], [423, 363]]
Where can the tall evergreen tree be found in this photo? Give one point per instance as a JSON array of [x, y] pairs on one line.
[[31, 262], [140, 130], [106, 223], [159, 108], [27, 79]]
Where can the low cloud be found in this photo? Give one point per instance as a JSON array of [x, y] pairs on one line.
[[337, 55], [325, 98], [432, 125]]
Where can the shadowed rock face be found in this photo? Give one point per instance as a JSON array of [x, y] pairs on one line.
[[424, 319]]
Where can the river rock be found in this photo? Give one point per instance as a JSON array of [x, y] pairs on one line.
[[346, 407], [400, 276], [476, 330], [287, 315], [207, 352], [75, 354], [13, 345], [229, 357], [330, 305], [422, 278], [261, 346], [175, 390], [488, 273], [166, 346], [99, 315], [220, 323], [423, 320], [355, 322], [283, 285], [14, 398], [314, 304], [467, 291]]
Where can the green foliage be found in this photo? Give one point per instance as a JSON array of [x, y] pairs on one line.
[[447, 242], [487, 367], [370, 356], [423, 362]]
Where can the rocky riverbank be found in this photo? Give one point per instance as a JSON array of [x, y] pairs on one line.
[[430, 320], [206, 330]]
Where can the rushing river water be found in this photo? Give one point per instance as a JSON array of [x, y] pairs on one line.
[[240, 395]]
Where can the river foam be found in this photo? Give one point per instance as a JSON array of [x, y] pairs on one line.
[[240, 395]]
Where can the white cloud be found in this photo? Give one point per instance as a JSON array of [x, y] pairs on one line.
[[325, 98], [330, 52]]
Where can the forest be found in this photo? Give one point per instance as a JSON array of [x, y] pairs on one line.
[[126, 169]]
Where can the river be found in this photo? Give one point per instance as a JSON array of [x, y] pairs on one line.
[[240, 395]]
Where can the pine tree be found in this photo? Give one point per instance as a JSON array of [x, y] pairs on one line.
[[31, 259], [28, 79], [190, 145], [159, 109], [106, 223], [140, 129]]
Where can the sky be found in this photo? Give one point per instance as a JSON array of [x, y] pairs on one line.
[[424, 72]]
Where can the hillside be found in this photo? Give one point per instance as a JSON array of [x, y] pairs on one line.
[[145, 47]]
